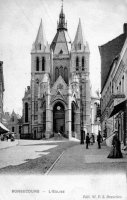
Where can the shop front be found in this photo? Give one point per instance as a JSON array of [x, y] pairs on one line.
[[119, 113]]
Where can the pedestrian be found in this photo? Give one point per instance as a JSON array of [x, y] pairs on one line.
[[99, 140], [92, 139], [87, 140], [115, 151]]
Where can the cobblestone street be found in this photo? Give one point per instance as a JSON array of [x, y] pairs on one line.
[[29, 156], [58, 157]]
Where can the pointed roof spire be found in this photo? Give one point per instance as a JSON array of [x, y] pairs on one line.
[[79, 41], [40, 42], [61, 24]]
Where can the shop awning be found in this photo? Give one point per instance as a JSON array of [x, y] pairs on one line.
[[3, 129], [119, 107]]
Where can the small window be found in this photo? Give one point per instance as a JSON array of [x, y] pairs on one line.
[[83, 63], [77, 63], [61, 51], [39, 46], [37, 64], [13, 129], [43, 63]]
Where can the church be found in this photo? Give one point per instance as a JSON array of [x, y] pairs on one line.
[[59, 96]]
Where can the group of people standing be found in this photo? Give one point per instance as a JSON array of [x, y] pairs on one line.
[[115, 151], [91, 139]]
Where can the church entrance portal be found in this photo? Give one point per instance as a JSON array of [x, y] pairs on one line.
[[59, 118]]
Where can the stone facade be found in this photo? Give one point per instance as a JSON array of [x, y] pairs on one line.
[[114, 90], [13, 122], [58, 99]]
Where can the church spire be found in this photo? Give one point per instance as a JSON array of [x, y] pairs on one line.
[[79, 41], [40, 42], [61, 24]]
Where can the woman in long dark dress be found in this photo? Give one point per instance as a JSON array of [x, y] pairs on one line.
[[116, 148]]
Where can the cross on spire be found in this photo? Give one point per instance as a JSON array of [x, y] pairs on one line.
[[62, 3]]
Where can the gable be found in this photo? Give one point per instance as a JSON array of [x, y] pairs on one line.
[[59, 84], [59, 43], [58, 96]]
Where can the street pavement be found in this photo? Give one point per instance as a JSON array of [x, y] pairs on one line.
[[79, 160], [57, 158], [31, 156], [7, 144]]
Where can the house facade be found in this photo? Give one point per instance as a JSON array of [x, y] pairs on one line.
[[13, 122], [114, 86], [1, 90], [58, 98]]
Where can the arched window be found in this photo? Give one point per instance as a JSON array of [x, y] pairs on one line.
[[43, 63], [61, 71], [56, 73], [77, 63], [83, 63], [37, 63], [26, 112], [66, 74]]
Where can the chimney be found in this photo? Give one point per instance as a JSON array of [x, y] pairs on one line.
[[125, 28]]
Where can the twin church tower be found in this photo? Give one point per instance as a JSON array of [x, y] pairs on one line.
[[58, 98]]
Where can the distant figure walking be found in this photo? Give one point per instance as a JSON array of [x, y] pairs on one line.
[[116, 147], [99, 140], [87, 140], [92, 139]]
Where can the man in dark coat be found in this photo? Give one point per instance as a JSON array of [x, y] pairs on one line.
[[99, 139], [87, 140]]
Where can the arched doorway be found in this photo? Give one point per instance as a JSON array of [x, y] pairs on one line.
[[59, 118]]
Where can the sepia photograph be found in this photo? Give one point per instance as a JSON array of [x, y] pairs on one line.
[[63, 99]]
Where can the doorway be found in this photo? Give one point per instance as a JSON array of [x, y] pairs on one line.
[[59, 118]]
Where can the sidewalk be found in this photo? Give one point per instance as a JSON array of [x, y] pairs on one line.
[[7, 144], [78, 159]]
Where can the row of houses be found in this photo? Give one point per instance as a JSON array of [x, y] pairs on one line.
[[11, 121], [114, 86]]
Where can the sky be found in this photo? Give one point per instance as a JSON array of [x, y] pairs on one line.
[[102, 20]]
